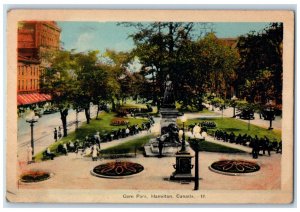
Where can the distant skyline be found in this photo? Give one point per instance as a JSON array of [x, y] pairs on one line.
[[84, 36]]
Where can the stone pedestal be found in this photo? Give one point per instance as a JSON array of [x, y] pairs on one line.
[[183, 167], [168, 116]]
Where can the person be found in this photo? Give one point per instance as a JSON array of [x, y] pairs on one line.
[[55, 134], [65, 148], [127, 131], [50, 154], [59, 132], [94, 152], [279, 147], [204, 134], [72, 147], [255, 148], [97, 138], [29, 154]]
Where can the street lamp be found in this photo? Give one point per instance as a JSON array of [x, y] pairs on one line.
[[270, 113], [183, 120], [233, 99], [195, 142], [32, 118]]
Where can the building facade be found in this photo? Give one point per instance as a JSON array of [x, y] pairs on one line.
[[36, 39]]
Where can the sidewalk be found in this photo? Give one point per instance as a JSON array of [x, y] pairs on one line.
[[228, 112], [73, 172]]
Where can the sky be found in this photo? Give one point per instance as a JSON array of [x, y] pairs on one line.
[[84, 36]]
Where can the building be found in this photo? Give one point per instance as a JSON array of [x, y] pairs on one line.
[[35, 40]]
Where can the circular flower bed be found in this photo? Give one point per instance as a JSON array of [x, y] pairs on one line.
[[117, 169], [119, 122], [234, 167], [35, 176]]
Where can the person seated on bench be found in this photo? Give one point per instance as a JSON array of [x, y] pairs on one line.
[[50, 154]]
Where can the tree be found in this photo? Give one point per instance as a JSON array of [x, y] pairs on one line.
[[118, 76], [207, 66], [158, 46], [87, 79], [57, 81], [261, 58]]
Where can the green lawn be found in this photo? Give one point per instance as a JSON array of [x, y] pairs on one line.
[[211, 147], [132, 146], [136, 145], [237, 126], [102, 125]]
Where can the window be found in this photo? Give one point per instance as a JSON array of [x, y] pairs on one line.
[[18, 84]]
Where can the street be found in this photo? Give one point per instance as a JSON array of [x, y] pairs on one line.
[[43, 129]]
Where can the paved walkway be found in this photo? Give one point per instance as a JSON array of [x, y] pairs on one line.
[[73, 171], [228, 112]]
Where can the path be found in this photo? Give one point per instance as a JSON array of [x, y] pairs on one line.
[[73, 172], [228, 112]]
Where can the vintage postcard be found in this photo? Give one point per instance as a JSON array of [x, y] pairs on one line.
[[150, 106]]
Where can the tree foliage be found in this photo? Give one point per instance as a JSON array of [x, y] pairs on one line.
[[260, 68]]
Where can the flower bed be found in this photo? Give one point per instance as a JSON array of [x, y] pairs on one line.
[[34, 176], [234, 167], [117, 169], [119, 122]]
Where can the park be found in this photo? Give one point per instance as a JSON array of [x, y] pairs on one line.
[[199, 114]]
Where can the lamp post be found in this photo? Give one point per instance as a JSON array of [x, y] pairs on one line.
[[270, 113], [233, 99], [183, 120], [32, 118], [195, 144]]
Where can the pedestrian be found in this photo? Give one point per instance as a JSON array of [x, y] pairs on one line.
[[50, 154], [94, 152], [65, 148], [55, 134], [97, 138], [255, 148], [59, 132], [127, 131], [29, 154]]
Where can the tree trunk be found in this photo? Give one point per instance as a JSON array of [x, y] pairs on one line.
[[87, 114], [98, 109], [113, 105], [63, 116]]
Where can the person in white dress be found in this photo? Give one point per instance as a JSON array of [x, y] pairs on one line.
[[29, 154], [95, 152]]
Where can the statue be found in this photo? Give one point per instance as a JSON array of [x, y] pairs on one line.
[[169, 136], [169, 100]]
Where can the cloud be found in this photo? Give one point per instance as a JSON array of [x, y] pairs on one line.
[[85, 42]]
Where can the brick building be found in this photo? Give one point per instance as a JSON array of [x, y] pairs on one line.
[[35, 40]]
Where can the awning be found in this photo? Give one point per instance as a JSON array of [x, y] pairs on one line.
[[27, 99]]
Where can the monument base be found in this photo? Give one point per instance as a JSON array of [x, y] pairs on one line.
[[168, 116], [169, 149], [183, 167]]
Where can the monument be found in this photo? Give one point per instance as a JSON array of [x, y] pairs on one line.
[[168, 142], [168, 110]]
